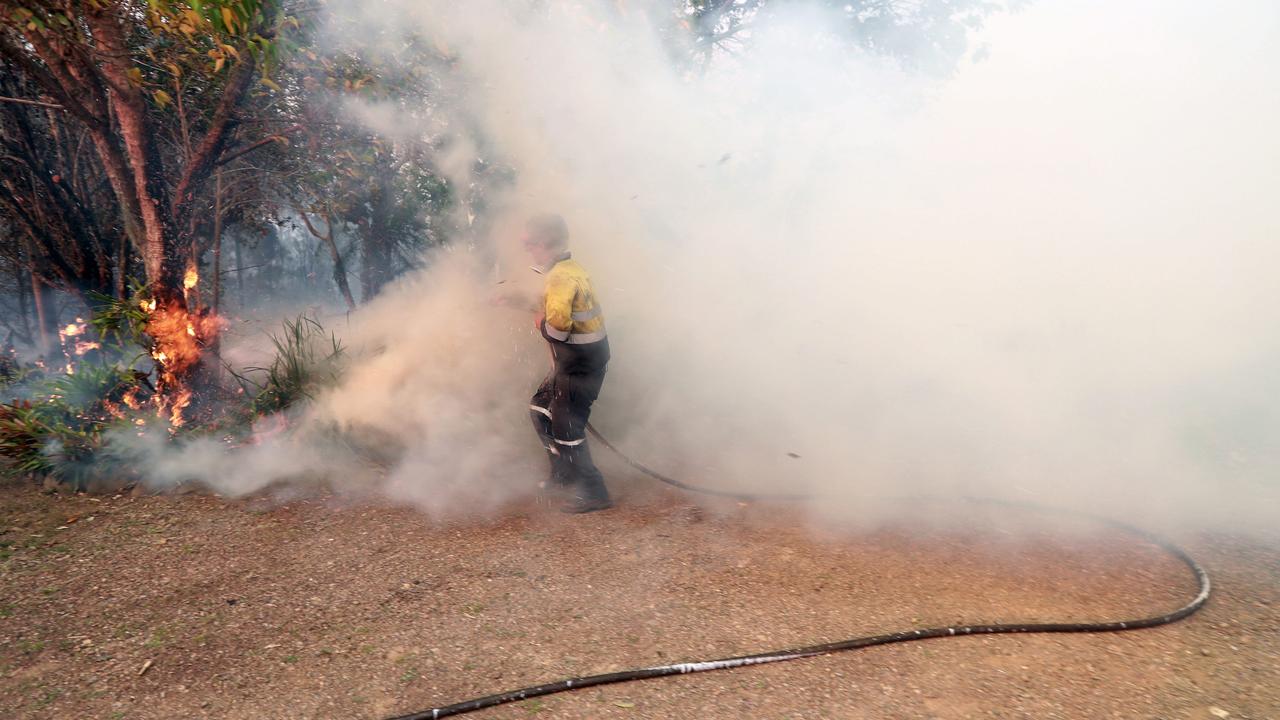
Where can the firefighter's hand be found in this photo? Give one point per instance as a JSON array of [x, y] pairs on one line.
[[537, 321]]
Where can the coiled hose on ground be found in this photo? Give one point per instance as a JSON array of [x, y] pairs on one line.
[[466, 706]]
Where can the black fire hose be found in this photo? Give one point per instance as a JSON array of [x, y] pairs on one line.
[[1202, 578]]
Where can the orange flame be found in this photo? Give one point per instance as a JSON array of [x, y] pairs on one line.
[[179, 336], [131, 399], [180, 403], [190, 279], [79, 347], [113, 409]]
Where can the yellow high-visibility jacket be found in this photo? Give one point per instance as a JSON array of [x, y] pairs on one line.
[[573, 315]]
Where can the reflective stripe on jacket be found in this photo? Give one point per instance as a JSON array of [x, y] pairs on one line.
[[572, 314]]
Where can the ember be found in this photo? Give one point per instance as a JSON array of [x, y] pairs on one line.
[[76, 347], [85, 346], [131, 399], [72, 329]]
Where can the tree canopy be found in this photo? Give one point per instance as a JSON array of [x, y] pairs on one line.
[[137, 134]]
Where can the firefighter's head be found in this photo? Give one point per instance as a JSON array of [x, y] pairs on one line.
[[546, 236]]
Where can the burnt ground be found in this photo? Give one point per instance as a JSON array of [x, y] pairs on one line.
[[195, 606]]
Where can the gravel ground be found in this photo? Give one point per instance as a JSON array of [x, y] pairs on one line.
[[196, 606]]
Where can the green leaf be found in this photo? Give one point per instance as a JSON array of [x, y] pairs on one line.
[[162, 98]]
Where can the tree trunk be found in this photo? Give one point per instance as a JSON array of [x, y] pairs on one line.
[[217, 241], [122, 267], [340, 270], [339, 267], [164, 271], [375, 248], [94, 81], [76, 84], [239, 273]]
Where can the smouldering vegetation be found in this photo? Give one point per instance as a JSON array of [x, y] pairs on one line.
[[60, 428]]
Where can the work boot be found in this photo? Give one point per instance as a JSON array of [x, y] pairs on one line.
[[579, 504], [555, 488], [589, 492], [561, 475]]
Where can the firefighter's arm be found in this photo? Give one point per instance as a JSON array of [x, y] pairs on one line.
[[557, 308]]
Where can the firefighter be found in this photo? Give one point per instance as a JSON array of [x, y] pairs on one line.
[[570, 320]]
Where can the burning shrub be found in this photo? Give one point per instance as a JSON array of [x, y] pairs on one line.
[[60, 429], [175, 339], [59, 426], [58, 434]]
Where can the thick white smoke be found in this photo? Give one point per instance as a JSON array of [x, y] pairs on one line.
[[1049, 277], [431, 408]]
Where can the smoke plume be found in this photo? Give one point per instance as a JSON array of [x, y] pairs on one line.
[[1047, 276]]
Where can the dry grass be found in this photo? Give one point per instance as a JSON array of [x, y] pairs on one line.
[[317, 608]]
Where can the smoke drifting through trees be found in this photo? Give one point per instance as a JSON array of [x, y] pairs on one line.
[[1004, 282], [823, 269]]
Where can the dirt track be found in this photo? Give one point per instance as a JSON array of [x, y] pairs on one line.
[[316, 609]]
